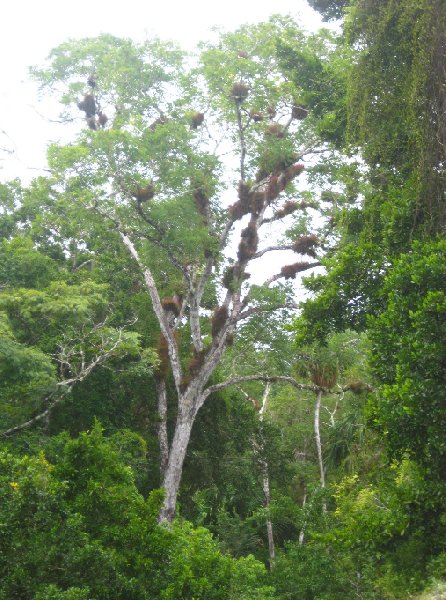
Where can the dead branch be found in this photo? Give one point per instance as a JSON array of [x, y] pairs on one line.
[[266, 378]]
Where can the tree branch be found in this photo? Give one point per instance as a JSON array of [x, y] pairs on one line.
[[242, 140], [255, 310], [266, 378], [166, 329], [66, 386], [271, 249], [277, 276]]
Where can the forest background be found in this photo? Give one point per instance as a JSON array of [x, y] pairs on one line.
[[174, 424]]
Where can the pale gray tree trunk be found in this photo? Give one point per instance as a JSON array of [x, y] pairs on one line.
[[174, 469], [302, 531], [163, 441], [265, 483], [317, 435]]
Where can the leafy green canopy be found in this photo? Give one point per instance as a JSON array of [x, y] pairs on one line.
[[329, 9], [396, 109], [79, 529], [408, 356], [395, 120]]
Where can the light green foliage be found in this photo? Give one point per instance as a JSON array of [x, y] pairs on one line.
[[80, 529], [22, 265]]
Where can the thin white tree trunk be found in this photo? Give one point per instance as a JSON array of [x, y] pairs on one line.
[[317, 435], [163, 441], [265, 483], [302, 531], [269, 524]]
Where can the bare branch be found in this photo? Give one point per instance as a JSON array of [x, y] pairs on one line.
[[255, 310], [266, 378], [66, 385], [271, 249], [37, 418]]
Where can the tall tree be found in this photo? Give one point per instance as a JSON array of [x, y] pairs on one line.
[[167, 147]]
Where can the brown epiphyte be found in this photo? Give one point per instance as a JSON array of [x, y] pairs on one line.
[[240, 91], [323, 376], [196, 362], [288, 208], [294, 170], [256, 116], [243, 192], [230, 339], [184, 384], [201, 199], [91, 122], [242, 54], [196, 120], [272, 112], [249, 242], [88, 105], [172, 304], [276, 130], [299, 113], [102, 119], [238, 210], [289, 174], [357, 386], [163, 355], [256, 202], [142, 194], [232, 277], [219, 319], [306, 245], [290, 271], [273, 188]]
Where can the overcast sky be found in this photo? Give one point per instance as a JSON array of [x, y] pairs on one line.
[[29, 29]]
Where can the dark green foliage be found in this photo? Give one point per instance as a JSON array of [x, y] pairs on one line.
[[320, 81], [329, 9], [396, 106], [409, 357]]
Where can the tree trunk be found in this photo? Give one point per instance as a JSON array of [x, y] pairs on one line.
[[265, 482], [269, 524], [162, 426], [173, 472], [302, 531], [317, 434]]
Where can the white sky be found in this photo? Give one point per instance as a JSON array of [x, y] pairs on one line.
[[29, 29]]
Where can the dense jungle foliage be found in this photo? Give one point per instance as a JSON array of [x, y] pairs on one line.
[[316, 463]]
